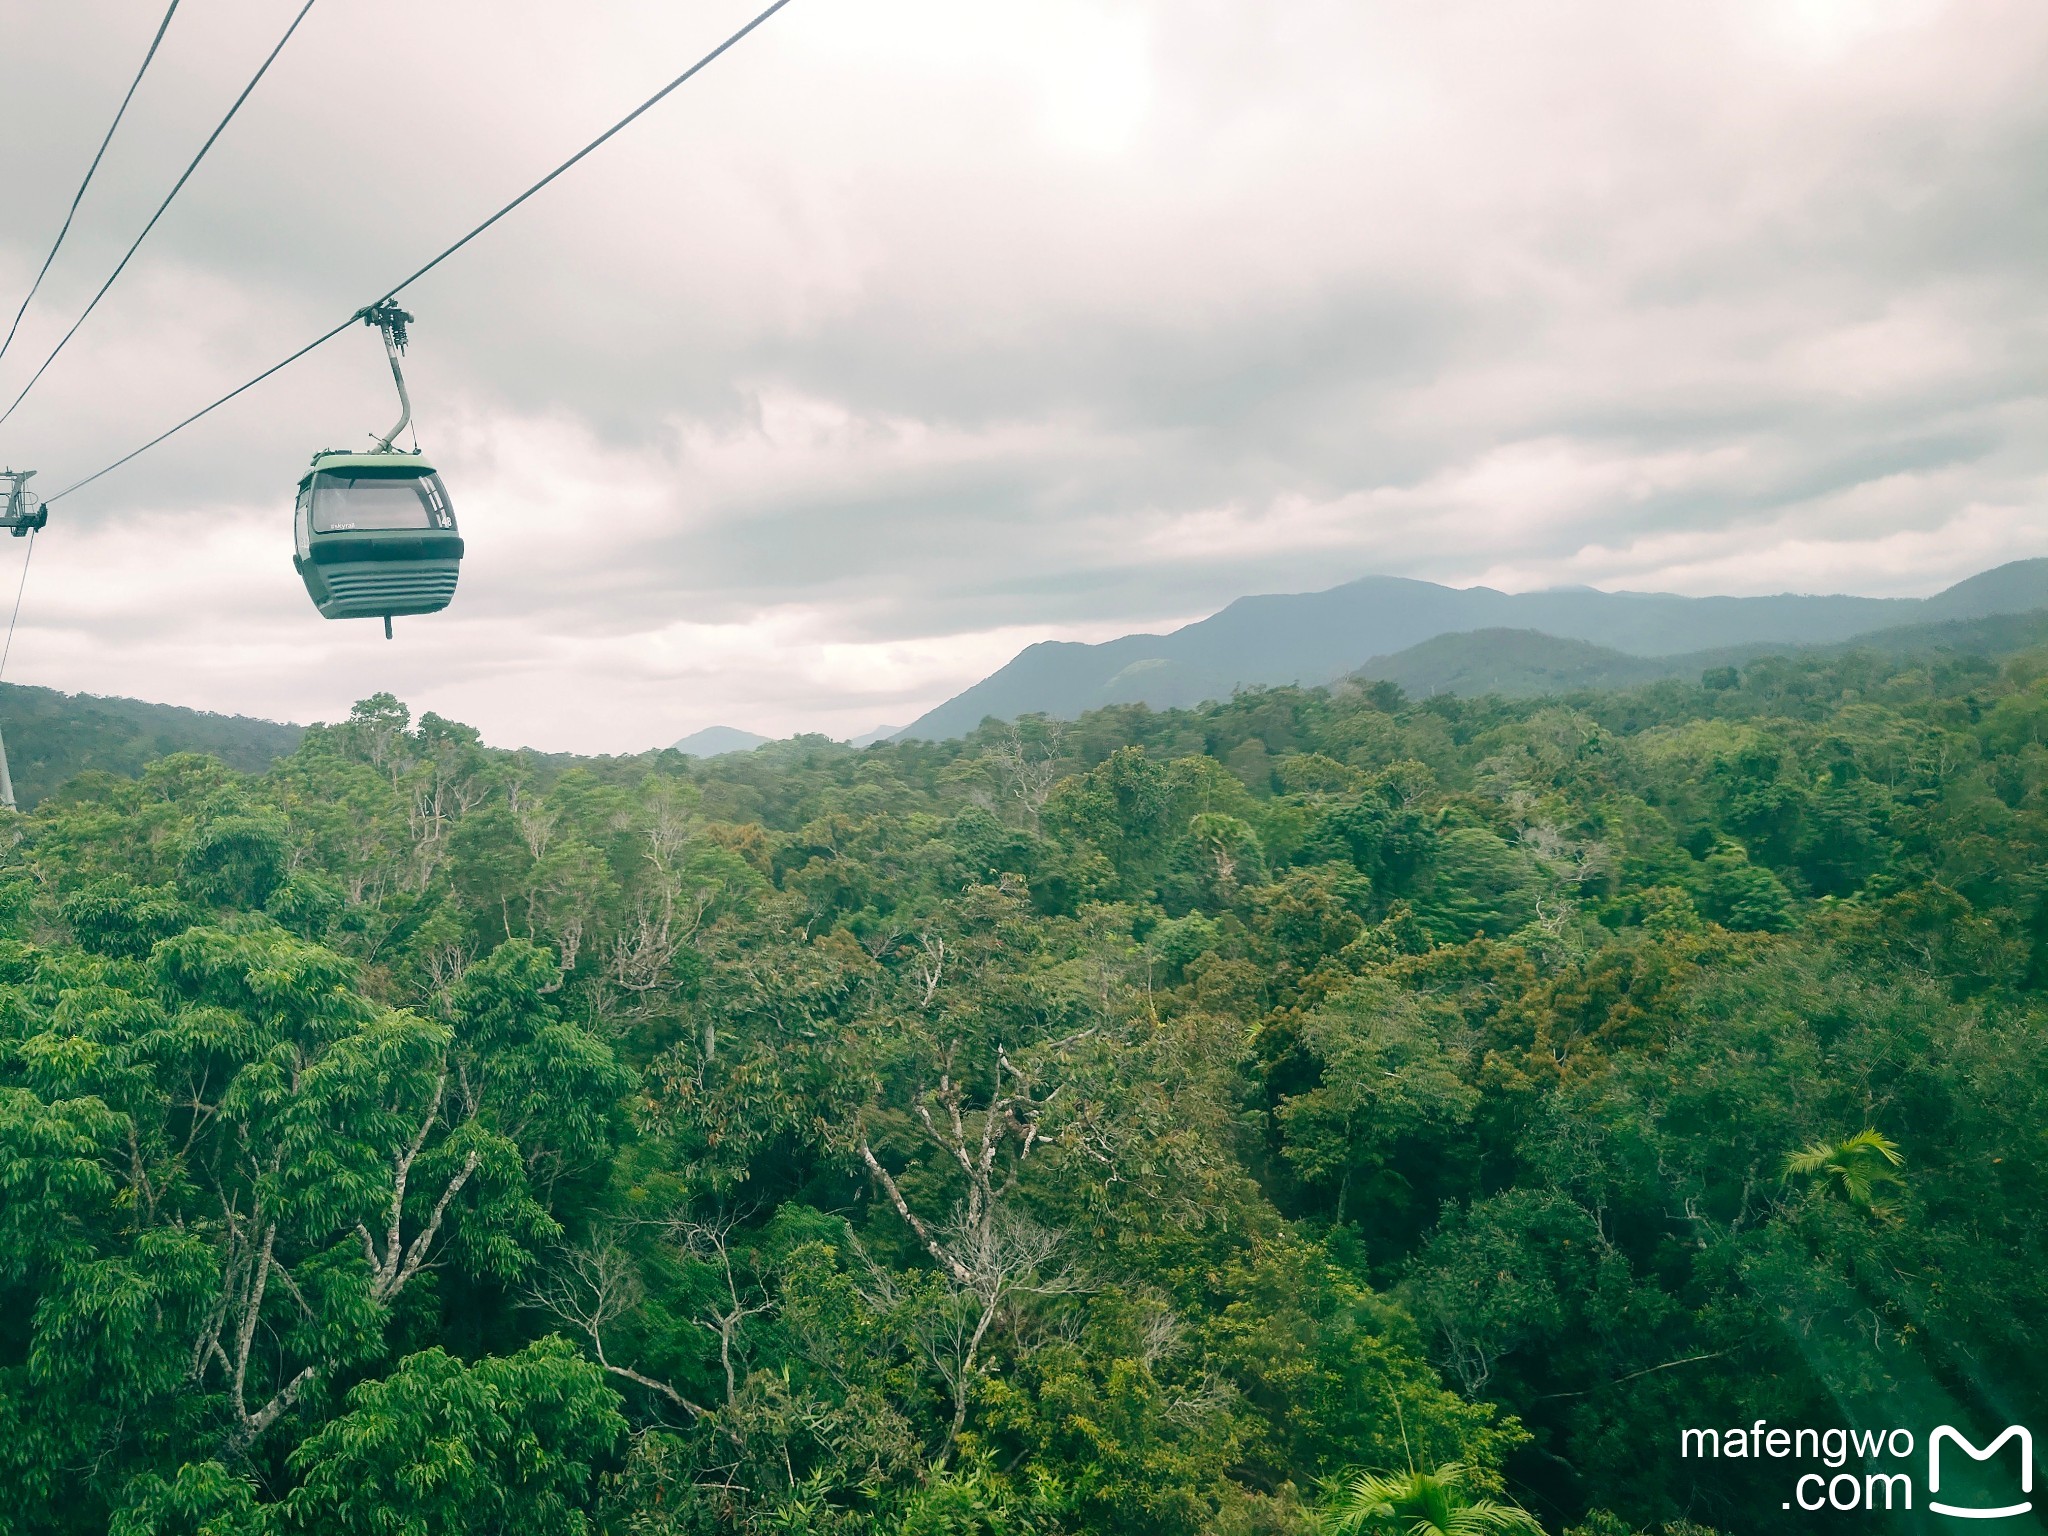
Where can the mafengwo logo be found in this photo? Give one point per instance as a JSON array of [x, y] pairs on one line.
[[1948, 1435], [1965, 1481]]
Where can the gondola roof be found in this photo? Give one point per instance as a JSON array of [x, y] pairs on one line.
[[328, 459]]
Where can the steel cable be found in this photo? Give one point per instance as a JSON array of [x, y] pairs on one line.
[[79, 197], [395, 290], [8, 649], [137, 245]]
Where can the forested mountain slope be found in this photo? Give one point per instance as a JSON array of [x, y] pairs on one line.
[[1314, 637], [52, 736], [1112, 1128], [1524, 663]]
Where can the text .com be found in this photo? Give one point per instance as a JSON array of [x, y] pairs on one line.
[[1878, 1486]]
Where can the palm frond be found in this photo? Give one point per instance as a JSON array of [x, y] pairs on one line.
[[1811, 1161], [1417, 1503], [1856, 1165], [1875, 1141]]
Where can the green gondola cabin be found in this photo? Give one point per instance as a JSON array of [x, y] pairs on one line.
[[376, 536]]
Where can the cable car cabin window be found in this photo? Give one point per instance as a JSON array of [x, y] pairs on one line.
[[345, 503]]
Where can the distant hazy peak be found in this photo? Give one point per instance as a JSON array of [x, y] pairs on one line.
[[717, 740]]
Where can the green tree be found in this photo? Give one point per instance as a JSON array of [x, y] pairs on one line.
[[509, 1446], [1475, 883], [1390, 1096], [1741, 895]]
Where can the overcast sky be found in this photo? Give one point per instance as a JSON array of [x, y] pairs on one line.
[[918, 330]]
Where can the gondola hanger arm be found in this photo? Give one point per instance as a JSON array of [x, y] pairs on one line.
[[389, 319]]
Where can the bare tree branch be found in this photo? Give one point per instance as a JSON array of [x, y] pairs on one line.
[[593, 1288], [991, 1253]]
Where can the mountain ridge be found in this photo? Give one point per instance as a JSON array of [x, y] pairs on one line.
[[1316, 637], [53, 736]]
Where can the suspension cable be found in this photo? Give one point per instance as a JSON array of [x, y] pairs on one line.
[[132, 249], [8, 649], [79, 197], [404, 283]]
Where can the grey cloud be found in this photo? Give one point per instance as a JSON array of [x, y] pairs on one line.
[[1354, 259]]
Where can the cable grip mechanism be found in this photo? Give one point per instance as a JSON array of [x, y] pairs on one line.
[[388, 318]]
